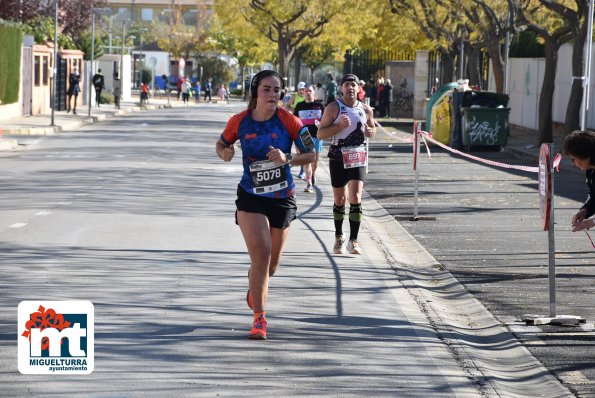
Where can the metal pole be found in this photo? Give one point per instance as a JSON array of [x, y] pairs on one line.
[[417, 151], [462, 61], [122, 65], [507, 51], [90, 83], [169, 68], [507, 67], [587, 72], [55, 62], [141, 58], [552, 240]]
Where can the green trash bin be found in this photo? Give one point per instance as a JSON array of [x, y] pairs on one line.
[[485, 126]]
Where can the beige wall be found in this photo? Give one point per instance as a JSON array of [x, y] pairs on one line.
[[42, 61]]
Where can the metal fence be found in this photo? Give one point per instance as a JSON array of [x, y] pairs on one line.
[[437, 74], [369, 65]]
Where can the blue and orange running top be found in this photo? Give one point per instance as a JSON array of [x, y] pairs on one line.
[[280, 131]]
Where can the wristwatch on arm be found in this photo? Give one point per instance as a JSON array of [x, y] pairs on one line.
[[288, 156]]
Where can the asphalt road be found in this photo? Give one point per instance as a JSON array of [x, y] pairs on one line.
[[482, 223], [136, 216]]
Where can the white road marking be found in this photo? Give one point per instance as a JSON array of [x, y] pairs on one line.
[[18, 225]]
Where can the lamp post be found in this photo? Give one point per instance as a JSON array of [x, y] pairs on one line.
[[507, 50], [169, 52], [133, 63], [55, 61], [94, 11], [587, 69], [141, 62], [122, 62], [90, 83]]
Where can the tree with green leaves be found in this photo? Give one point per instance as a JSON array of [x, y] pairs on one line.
[[577, 20], [362, 27], [42, 30], [492, 19], [74, 16], [85, 44], [441, 22], [179, 39], [237, 38], [287, 23]]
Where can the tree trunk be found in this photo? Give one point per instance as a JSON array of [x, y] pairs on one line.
[[493, 50], [546, 97], [447, 73], [284, 58], [297, 68], [573, 111], [473, 66]]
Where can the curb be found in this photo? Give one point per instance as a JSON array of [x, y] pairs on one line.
[[73, 125], [7, 144], [487, 350]]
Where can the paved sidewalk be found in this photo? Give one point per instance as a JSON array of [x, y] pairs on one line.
[[15, 130]]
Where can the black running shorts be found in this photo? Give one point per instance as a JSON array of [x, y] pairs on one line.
[[340, 176], [279, 212]]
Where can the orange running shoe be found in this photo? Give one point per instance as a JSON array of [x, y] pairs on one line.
[[259, 329]]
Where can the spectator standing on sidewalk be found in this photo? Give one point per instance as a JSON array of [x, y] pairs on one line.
[[197, 92], [99, 84], [580, 147], [378, 99], [117, 90], [186, 92], [222, 93], [144, 94], [387, 98], [361, 95], [74, 89], [266, 203], [319, 93], [348, 123], [180, 86], [331, 90], [208, 88]]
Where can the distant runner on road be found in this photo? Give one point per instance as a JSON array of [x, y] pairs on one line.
[[266, 203], [348, 123], [310, 112]]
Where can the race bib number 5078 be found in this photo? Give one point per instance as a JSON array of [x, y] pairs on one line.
[[268, 177]]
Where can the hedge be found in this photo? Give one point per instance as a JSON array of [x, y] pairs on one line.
[[11, 38]]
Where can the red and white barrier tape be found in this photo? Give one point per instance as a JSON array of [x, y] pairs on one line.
[[425, 135], [393, 134]]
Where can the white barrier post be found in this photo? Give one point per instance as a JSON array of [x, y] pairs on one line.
[[415, 167], [546, 195], [550, 235]]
